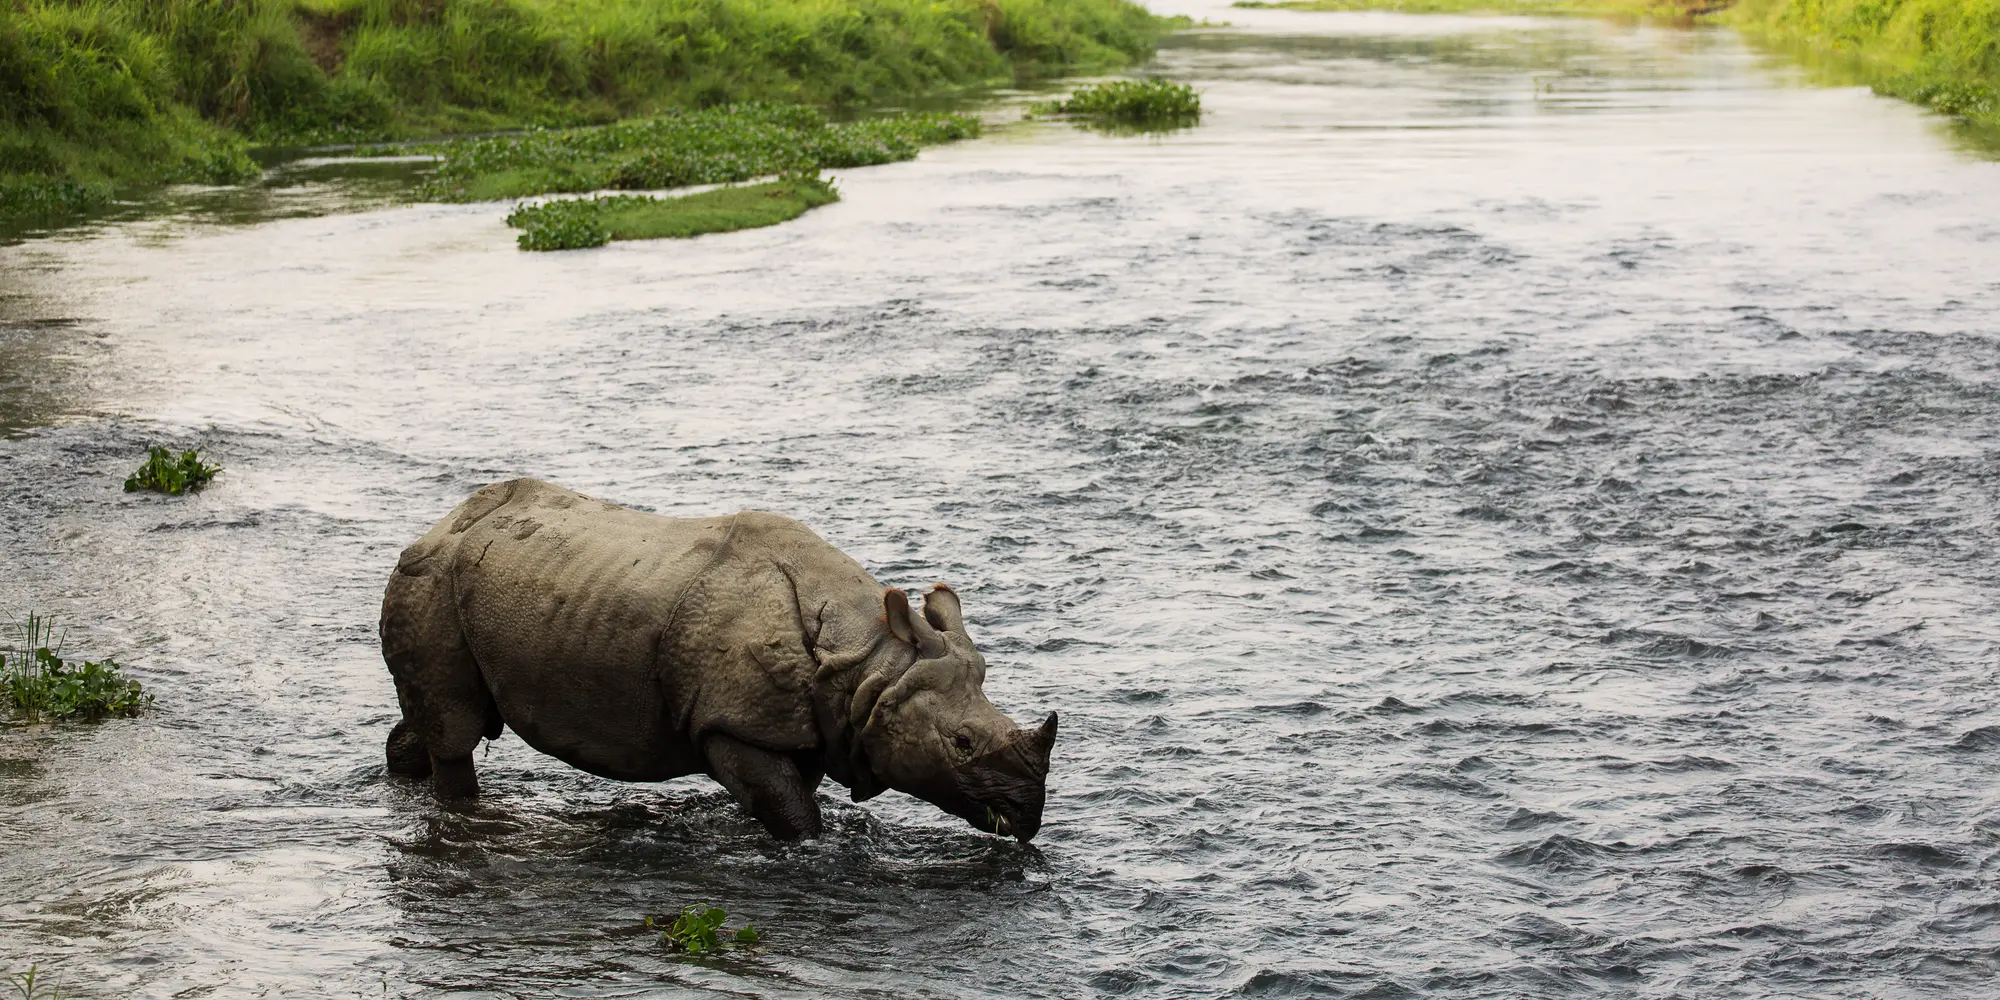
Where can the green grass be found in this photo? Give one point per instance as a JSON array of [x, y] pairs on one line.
[[1943, 54], [37, 684], [1154, 103], [713, 146], [173, 475], [571, 224], [698, 931], [108, 93]]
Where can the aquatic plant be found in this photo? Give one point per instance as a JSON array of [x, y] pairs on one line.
[[173, 476], [698, 931], [41, 200], [1152, 102], [575, 223], [720, 145], [38, 684]]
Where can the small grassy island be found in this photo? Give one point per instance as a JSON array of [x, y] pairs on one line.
[[574, 223], [102, 95]]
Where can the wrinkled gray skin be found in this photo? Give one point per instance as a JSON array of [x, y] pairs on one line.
[[644, 648]]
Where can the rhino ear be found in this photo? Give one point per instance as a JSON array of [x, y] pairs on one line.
[[907, 626], [941, 609], [896, 609]]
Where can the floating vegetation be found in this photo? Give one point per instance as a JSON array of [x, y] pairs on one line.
[[698, 931], [38, 685], [43, 200], [1153, 103], [574, 223], [721, 145], [170, 475]]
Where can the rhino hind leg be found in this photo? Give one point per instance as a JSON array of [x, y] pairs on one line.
[[447, 708], [768, 785]]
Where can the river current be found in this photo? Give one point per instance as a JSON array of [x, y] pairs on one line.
[[1505, 508]]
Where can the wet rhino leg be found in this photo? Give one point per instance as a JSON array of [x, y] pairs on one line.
[[446, 706], [767, 784]]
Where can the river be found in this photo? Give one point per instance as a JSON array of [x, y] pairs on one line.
[[1505, 508]]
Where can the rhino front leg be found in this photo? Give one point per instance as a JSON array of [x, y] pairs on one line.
[[766, 783]]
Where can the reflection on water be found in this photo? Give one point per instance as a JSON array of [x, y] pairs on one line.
[[1502, 507]]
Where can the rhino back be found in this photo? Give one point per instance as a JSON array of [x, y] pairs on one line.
[[564, 601]]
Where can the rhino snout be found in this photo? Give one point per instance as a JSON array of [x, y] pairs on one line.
[[1005, 789]]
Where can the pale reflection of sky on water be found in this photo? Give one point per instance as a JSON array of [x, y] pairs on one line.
[[1504, 508]]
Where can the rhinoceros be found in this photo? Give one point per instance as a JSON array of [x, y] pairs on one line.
[[642, 648]]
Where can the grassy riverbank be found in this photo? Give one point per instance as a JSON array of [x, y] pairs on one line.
[[1943, 54], [96, 93]]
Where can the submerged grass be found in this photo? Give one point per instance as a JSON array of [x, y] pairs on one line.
[[574, 223], [38, 685], [98, 93], [1154, 103], [714, 146], [173, 475], [33, 985]]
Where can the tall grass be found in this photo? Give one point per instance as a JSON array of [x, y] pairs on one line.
[[97, 92], [1944, 54]]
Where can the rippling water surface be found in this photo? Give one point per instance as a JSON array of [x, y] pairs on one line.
[[1505, 508]]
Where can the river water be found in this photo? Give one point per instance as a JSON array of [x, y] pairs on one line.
[[1505, 508]]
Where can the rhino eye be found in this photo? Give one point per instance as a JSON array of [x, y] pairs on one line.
[[964, 743]]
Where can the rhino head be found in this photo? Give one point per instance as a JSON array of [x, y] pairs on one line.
[[929, 730]]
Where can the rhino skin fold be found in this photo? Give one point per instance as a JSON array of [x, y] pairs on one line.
[[642, 648]]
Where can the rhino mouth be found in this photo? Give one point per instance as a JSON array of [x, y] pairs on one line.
[[1001, 794], [1003, 790], [1007, 822]]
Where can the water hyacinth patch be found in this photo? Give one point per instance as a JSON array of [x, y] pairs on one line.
[[1153, 103], [698, 931], [721, 145], [165, 473], [37, 684]]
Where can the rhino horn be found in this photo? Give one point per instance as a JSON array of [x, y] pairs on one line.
[[1037, 743]]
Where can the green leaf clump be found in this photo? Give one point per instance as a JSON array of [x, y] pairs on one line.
[[698, 931], [1153, 102], [37, 684], [173, 476]]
